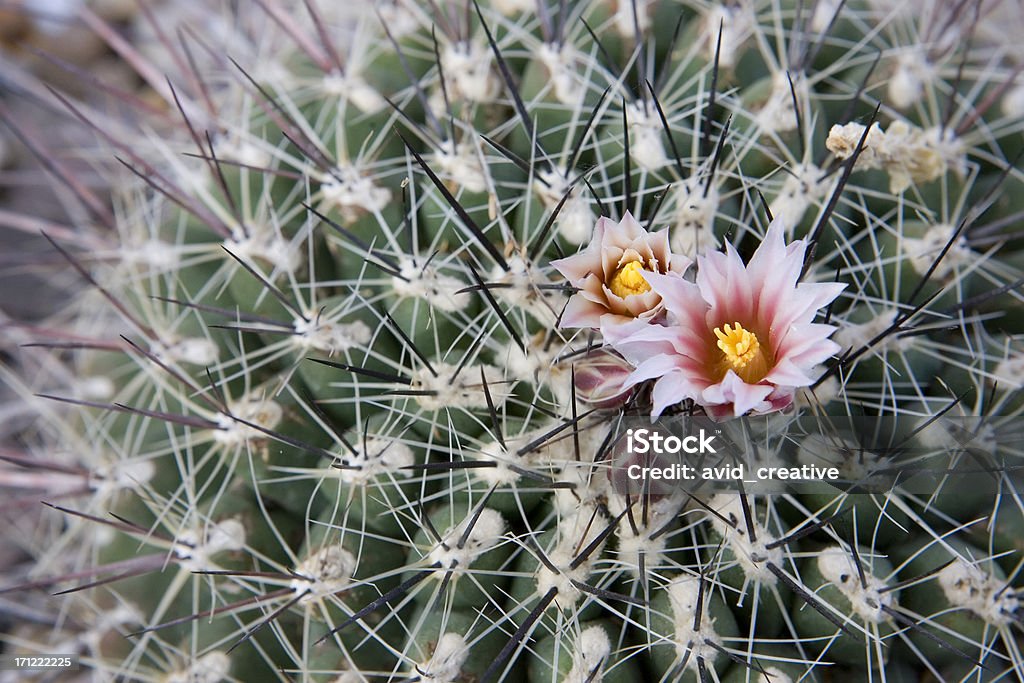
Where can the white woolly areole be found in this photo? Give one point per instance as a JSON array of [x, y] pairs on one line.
[[924, 251], [560, 61], [1013, 102], [682, 595], [805, 184], [462, 390], [752, 557], [191, 350], [838, 568], [243, 152], [468, 73], [968, 587], [1010, 372], [575, 221], [590, 481], [265, 244], [778, 113], [508, 7], [96, 388], [231, 432], [154, 254], [821, 395], [462, 166], [376, 457], [645, 130], [212, 667], [352, 193], [592, 649], [911, 73], [853, 462], [660, 512], [485, 534], [330, 337], [950, 438], [445, 664], [538, 366], [626, 22], [325, 572], [353, 88], [907, 153], [693, 232], [502, 474], [575, 532], [505, 457], [854, 335], [398, 18], [194, 548], [521, 290], [437, 289], [736, 26], [101, 625], [123, 474]]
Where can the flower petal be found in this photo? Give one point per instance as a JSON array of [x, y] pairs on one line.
[[658, 366], [672, 388], [788, 374], [743, 397], [680, 297], [580, 312]]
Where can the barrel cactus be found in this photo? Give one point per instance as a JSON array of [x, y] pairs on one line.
[[338, 392]]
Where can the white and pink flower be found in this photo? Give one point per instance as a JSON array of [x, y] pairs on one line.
[[609, 275], [738, 340]]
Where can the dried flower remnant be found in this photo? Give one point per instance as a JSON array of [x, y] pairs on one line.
[[908, 154]]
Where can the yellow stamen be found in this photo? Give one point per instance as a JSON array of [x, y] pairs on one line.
[[628, 280], [741, 352]]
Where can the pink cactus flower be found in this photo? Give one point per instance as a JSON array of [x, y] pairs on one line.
[[609, 275], [738, 340]]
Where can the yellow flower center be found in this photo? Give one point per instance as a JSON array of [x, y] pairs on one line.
[[741, 353], [628, 280]]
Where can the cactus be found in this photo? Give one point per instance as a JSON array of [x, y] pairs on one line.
[[338, 390]]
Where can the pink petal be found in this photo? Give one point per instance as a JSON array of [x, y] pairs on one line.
[[578, 266], [744, 397], [652, 340], [628, 225], [773, 261], [646, 304], [579, 312], [614, 328], [807, 345], [724, 285], [799, 307], [787, 374], [680, 297], [649, 369], [672, 388]]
